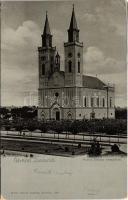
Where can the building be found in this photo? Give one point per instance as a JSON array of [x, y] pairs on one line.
[[70, 94]]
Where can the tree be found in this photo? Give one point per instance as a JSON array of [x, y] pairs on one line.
[[31, 128], [24, 112], [19, 128], [75, 125], [3, 112], [7, 128], [121, 113], [57, 127], [43, 127], [66, 126]]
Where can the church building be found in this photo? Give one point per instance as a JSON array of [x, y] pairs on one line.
[[70, 94]]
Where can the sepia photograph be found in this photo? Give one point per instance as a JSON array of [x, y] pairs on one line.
[[63, 111]]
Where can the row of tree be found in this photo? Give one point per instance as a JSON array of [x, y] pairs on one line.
[[108, 126], [14, 113], [121, 113]]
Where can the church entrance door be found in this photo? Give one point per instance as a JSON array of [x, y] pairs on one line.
[[57, 115]]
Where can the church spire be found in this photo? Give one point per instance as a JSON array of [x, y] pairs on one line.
[[47, 37], [46, 26], [73, 31], [73, 23]]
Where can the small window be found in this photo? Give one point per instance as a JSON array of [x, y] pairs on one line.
[[43, 69], [78, 66], [70, 66]]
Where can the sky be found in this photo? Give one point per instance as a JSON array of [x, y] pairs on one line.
[[102, 25]]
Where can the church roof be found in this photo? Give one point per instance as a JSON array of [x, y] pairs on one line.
[[73, 23], [46, 27], [93, 82]]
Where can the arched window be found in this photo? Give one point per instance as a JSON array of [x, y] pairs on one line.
[[78, 66], [110, 102], [70, 66], [85, 101], [52, 58], [98, 102], [92, 101], [51, 67], [103, 102], [69, 116], [77, 37], [43, 69], [50, 41]]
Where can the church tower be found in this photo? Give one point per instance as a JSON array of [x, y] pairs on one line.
[[73, 55], [46, 56]]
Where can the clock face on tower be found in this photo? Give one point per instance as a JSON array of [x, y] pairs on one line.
[[56, 94], [78, 55], [69, 55]]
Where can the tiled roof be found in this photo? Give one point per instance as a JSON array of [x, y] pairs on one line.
[[93, 82]]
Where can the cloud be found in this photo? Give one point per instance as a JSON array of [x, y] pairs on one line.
[[19, 59], [25, 36], [96, 62], [112, 18], [108, 18], [19, 47], [89, 17], [109, 70]]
